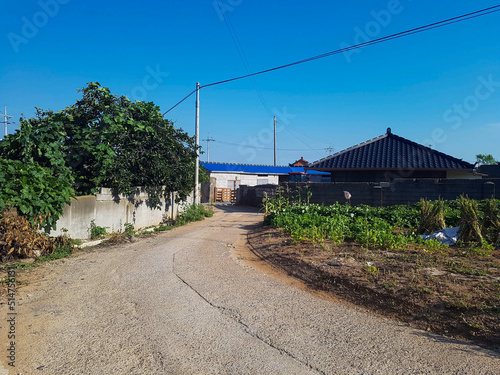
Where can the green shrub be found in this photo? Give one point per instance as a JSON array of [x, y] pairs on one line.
[[96, 231], [193, 212]]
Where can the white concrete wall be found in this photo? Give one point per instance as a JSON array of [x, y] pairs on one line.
[[113, 214], [248, 179]]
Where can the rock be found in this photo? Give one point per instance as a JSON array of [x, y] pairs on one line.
[[433, 272], [335, 263], [27, 260]]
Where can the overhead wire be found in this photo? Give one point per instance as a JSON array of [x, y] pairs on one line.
[[416, 30], [239, 48], [263, 148], [401, 34], [241, 52]]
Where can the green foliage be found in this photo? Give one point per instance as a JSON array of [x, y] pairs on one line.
[[486, 159], [105, 141], [123, 145], [129, 229], [33, 173], [433, 245], [377, 227], [37, 192], [60, 252], [96, 231], [193, 212]]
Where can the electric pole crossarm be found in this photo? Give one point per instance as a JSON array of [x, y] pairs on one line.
[[208, 140], [6, 120]]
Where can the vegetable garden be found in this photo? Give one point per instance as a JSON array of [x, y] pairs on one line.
[[395, 227], [375, 257]]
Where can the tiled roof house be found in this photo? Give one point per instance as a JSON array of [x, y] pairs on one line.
[[388, 157]]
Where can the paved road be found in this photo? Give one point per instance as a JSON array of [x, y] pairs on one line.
[[179, 303]]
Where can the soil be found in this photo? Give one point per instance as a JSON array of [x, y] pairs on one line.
[[454, 292]]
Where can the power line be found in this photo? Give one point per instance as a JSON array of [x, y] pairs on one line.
[[417, 30], [300, 140], [265, 148], [239, 48], [431, 26]]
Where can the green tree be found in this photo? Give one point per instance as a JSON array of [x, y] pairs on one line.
[[108, 141], [486, 159], [33, 173], [113, 142]]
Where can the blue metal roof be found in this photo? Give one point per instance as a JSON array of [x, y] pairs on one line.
[[255, 169]]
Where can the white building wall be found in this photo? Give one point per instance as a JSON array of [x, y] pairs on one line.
[[223, 178]]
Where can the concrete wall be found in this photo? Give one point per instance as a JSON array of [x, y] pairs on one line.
[[207, 191], [112, 213], [371, 193], [458, 175], [252, 195]]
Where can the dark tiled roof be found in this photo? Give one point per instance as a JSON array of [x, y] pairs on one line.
[[390, 151]]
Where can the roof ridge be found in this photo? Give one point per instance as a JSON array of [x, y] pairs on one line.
[[353, 147], [431, 149], [338, 157]]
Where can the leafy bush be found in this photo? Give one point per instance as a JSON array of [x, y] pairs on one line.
[[37, 192], [193, 212], [380, 227], [96, 231]]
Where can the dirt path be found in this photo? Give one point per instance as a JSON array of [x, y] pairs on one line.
[[185, 302]]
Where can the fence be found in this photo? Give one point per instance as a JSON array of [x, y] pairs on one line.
[[403, 191]]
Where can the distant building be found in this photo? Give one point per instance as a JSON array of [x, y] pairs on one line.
[[390, 157], [230, 176], [300, 163]]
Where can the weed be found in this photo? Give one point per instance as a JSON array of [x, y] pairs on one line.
[[60, 252], [129, 229], [17, 266], [194, 212], [96, 231]]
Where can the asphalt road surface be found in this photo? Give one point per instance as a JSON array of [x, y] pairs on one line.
[[183, 303]]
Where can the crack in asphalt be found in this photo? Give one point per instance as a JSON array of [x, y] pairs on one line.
[[224, 311]]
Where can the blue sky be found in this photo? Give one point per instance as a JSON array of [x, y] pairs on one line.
[[439, 88]]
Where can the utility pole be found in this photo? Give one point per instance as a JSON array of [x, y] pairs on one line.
[[6, 120], [197, 137], [329, 150], [208, 140], [275, 141]]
